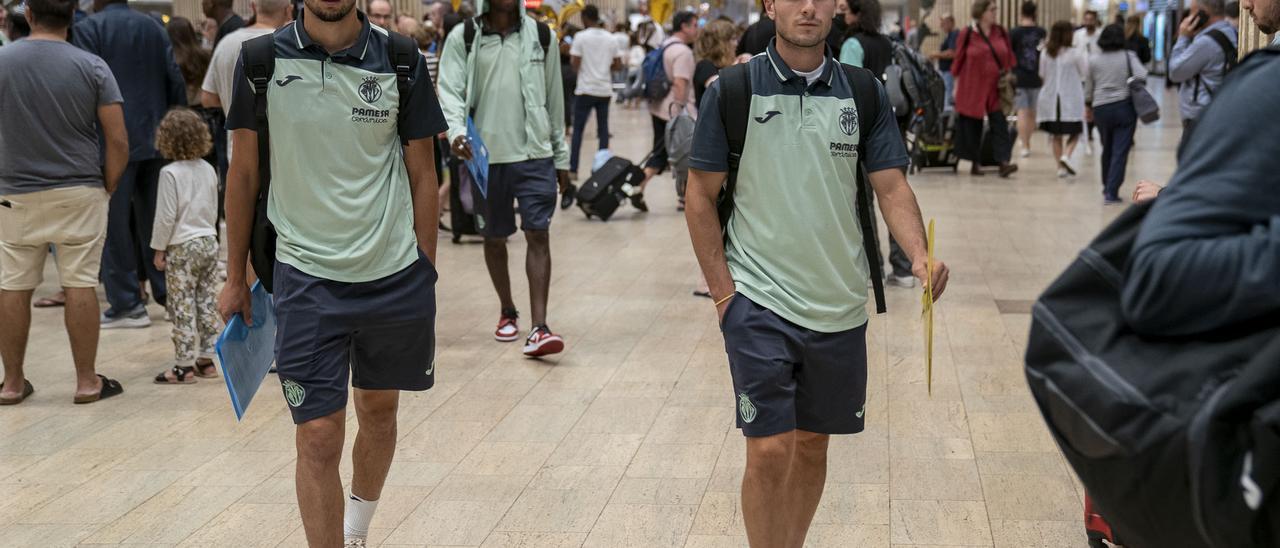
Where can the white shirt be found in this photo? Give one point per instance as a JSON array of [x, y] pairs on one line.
[[1062, 96], [186, 203], [1085, 42], [624, 43], [222, 68], [597, 48], [813, 75]]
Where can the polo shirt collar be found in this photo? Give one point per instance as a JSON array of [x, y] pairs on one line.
[[357, 50], [784, 72]]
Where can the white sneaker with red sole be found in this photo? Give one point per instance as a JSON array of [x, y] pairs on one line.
[[508, 330], [542, 342]]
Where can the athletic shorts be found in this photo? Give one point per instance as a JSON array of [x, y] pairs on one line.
[[531, 183], [786, 377], [379, 335], [72, 219], [1025, 98]]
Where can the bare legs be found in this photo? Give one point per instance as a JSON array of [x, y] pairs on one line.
[[537, 267], [319, 444], [782, 487], [82, 323]]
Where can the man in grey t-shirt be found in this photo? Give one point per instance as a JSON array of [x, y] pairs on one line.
[[54, 188]]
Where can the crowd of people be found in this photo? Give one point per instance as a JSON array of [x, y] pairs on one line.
[[127, 141]]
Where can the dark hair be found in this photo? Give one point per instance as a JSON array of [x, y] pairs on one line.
[[18, 25], [590, 15], [1029, 9], [51, 14], [1091, 12], [1232, 9], [681, 19], [191, 57], [1060, 35], [1112, 38], [868, 15]]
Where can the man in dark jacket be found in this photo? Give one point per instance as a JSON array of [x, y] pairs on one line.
[[137, 49], [1208, 254]]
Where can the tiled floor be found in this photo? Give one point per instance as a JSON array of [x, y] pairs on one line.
[[627, 439]]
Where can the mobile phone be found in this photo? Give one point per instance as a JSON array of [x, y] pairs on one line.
[[1201, 18]]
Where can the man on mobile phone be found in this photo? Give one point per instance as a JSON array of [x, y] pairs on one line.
[[1204, 52]]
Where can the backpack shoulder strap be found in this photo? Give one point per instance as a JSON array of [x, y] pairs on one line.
[[258, 57], [867, 97], [735, 109], [469, 33], [1229, 52], [402, 51], [544, 37]]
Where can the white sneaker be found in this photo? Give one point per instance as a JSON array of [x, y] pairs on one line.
[[1065, 163], [901, 281], [354, 542], [1088, 149], [134, 319], [1062, 173], [1025, 152]]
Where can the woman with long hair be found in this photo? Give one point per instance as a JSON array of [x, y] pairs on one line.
[[1107, 90], [1134, 40], [192, 58], [1063, 69], [713, 50], [864, 46], [983, 55]]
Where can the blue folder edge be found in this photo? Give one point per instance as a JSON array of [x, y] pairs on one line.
[[478, 165], [237, 331]]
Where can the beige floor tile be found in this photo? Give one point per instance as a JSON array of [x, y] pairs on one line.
[[654, 491], [238, 468], [930, 448], [1010, 432], [697, 425], [448, 522], [248, 525], [495, 458], [619, 415], [45, 536], [109, 496], [441, 441], [853, 504], [596, 449], [637, 526], [1049, 534], [673, 461], [71, 466], [21, 498], [552, 510], [1031, 498], [939, 522], [941, 479], [459, 487], [191, 507], [537, 423], [501, 539], [716, 541], [719, 514], [835, 536]]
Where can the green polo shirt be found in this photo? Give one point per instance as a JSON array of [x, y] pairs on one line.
[[340, 196], [795, 246]]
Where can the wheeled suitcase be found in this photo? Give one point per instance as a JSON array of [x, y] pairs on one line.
[[465, 203], [604, 191]]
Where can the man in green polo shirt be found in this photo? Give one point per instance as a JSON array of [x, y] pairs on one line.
[[353, 198], [790, 285]]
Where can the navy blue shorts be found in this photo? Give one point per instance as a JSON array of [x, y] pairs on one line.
[[533, 184], [380, 335], [786, 377]]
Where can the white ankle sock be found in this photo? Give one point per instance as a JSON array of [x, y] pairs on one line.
[[355, 521]]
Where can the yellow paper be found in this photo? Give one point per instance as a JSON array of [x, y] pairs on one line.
[[927, 312], [661, 10]]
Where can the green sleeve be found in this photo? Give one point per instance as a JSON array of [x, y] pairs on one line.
[[555, 104], [851, 52], [453, 83]]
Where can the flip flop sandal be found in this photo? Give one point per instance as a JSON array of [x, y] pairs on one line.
[[27, 391], [48, 302], [206, 371], [181, 375], [110, 388]]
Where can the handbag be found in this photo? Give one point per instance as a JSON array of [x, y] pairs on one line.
[[1143, 102], [1007, 83]]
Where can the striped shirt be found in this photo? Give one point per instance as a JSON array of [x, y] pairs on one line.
[[433, 65], [1108, 79]]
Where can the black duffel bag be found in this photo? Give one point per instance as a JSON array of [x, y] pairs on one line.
[[1176, 439]]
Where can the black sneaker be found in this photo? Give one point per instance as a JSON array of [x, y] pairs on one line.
[[567, 197], [637, 201]]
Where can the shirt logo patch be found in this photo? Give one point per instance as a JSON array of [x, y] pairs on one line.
[[288, 80], [746, 409], [767, 116], [848, 121], [370, 90]]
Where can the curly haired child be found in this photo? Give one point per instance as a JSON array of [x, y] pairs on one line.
[[185, 241]]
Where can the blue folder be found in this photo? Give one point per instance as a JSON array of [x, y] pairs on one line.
[[247, 351], [478, 165]]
